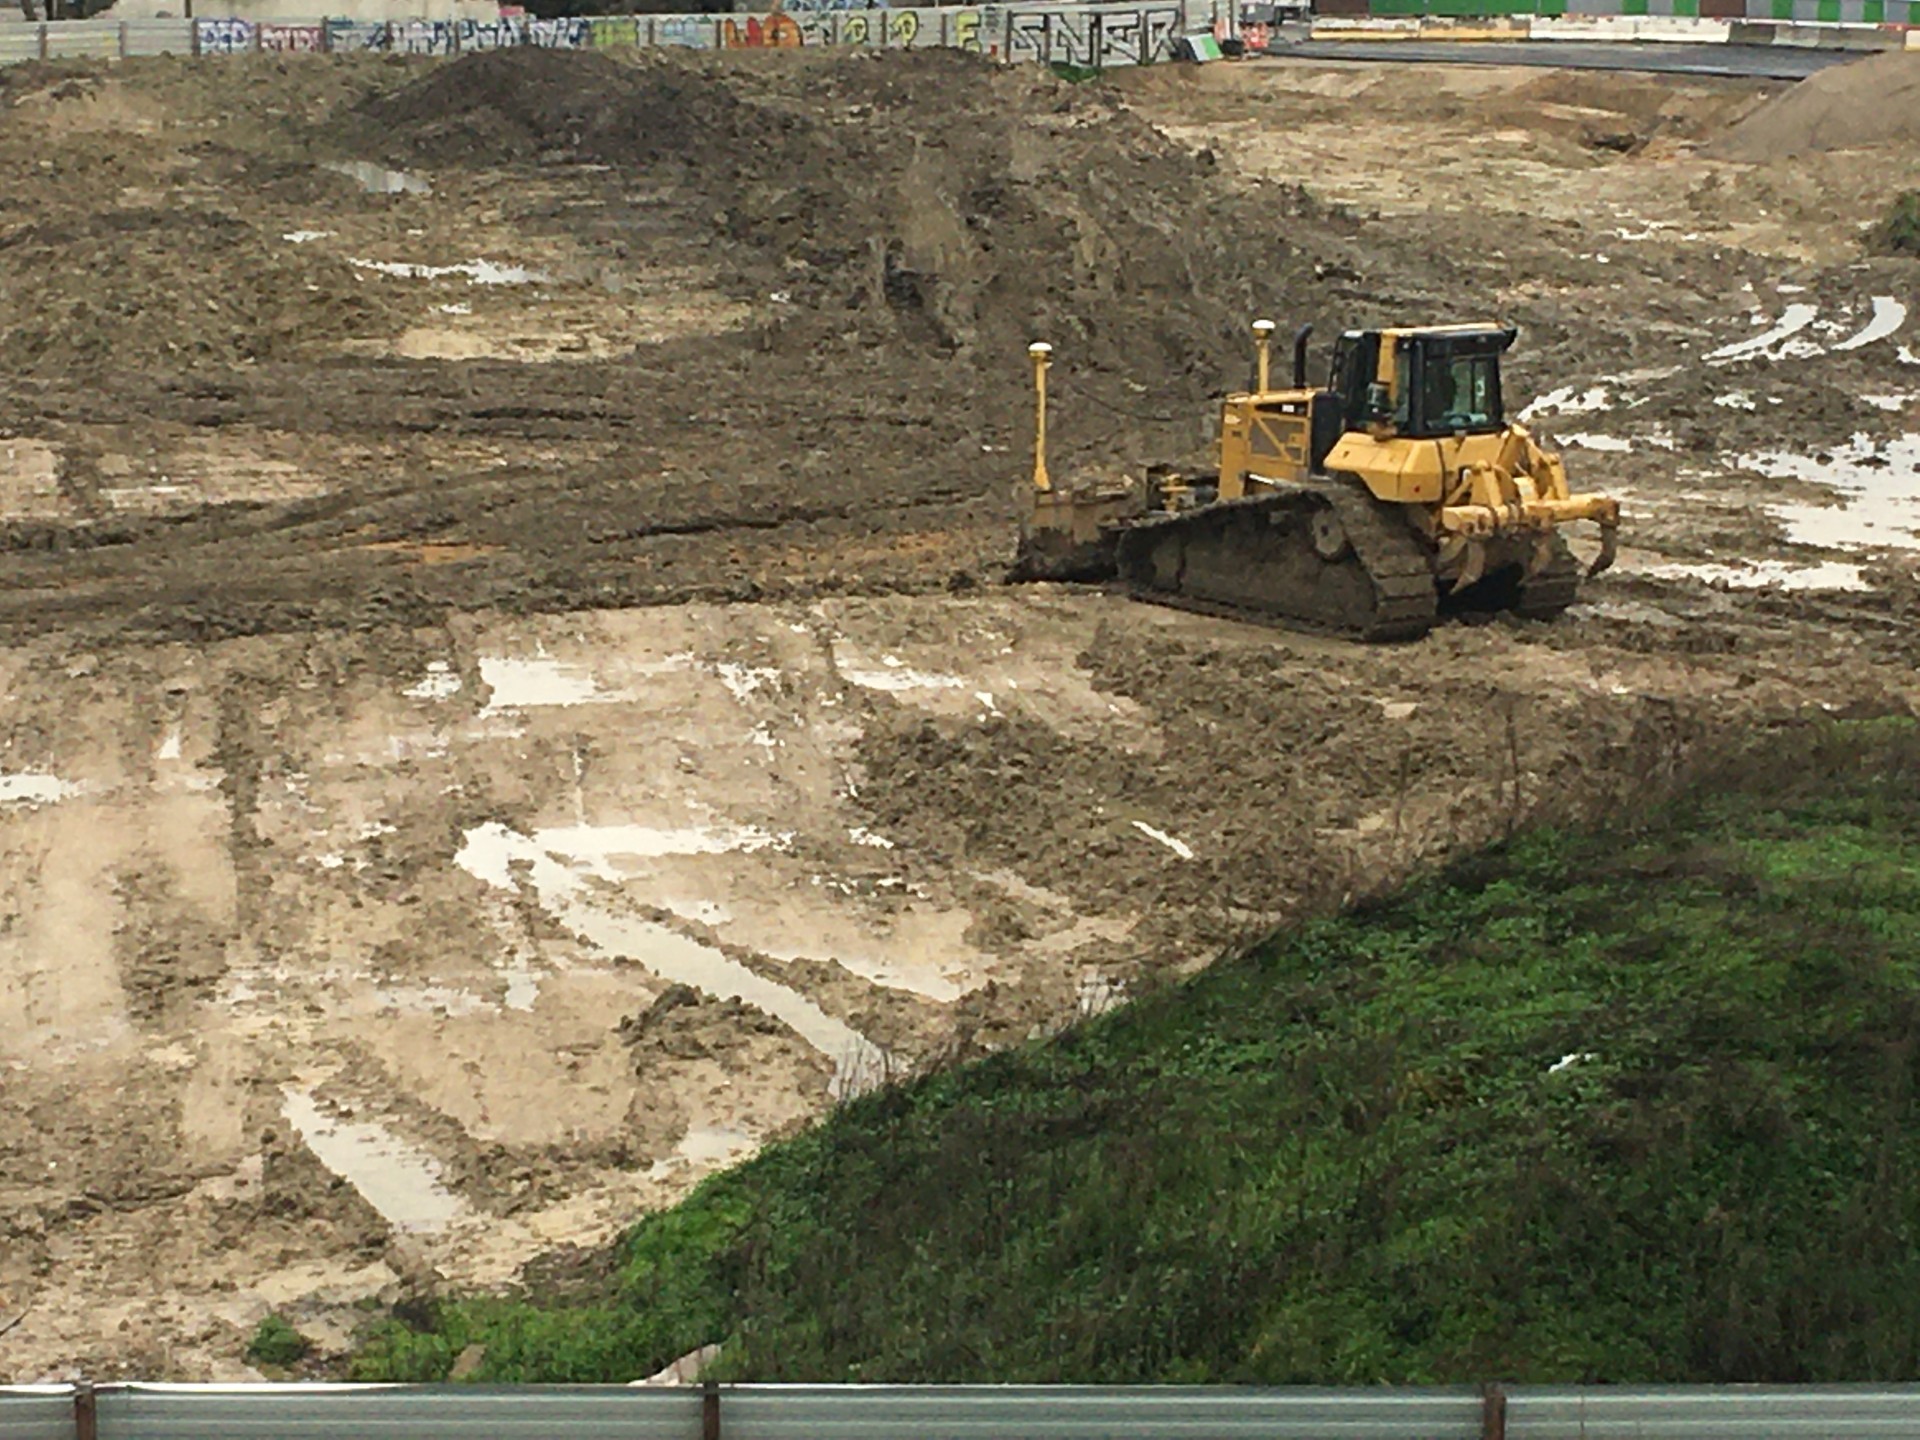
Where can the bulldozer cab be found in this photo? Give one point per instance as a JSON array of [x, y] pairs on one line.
[[1421, 383]]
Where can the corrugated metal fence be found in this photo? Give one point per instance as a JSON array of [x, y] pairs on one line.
[[805, 1412]]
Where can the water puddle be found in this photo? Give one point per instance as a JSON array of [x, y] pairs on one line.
[[377, 179], [702, 1145], [35, 787], [439, 683], [1764, 574], [743, 680], [527, 684], [1177, 846], [1791, 323], [1877, 483], [894, 675], [1608, 444], [1566, 401], [557, 862], [397, 1179], [1888, 316], [478, 272], [560, 856], [1786, 338]]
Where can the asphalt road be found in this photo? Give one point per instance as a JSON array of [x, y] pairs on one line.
[[1758, 62]]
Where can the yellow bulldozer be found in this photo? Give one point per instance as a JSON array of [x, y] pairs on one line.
[[1364, 509]]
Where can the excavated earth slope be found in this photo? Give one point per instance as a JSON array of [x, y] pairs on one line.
[[510, 695]]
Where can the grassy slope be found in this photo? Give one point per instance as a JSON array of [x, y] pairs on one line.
[[1352, 1157]]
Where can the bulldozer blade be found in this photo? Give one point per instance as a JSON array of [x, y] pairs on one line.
[[1609, 548]]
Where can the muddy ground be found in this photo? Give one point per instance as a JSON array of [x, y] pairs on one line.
[[509, 696]]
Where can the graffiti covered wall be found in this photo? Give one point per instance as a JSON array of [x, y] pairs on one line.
[[1093, 36]]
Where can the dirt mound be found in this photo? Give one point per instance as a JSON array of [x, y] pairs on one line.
[[504, 105], [934, 202], [1847, 107], [167, 288]]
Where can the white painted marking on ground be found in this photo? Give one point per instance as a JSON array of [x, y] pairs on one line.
[[1888, 316], [1178, 846]]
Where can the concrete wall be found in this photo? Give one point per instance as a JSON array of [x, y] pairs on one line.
[[1102, 36]]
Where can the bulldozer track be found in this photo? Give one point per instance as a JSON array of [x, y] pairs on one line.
[[1554, 589], [1393, 560]]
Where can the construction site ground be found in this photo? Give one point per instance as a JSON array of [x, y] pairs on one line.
[[510, 696]]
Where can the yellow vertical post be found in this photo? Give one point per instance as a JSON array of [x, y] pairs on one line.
[[1263, 346], [1040, 353]]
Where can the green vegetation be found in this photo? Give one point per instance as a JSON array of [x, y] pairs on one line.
[[1592, 1107], [1898, 232], [276, 1343]]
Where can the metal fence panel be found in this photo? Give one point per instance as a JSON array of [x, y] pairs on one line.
[[36, 1412], [1715, 1412], [395, 1412], [73, 39], [1018, 1412], [19, 42], [159, 37]]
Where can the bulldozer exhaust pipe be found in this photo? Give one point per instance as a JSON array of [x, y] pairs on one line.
[[1300, 338]]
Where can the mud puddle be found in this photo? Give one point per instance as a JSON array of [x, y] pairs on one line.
[[401, 1182]]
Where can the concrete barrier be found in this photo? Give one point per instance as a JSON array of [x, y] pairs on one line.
[[1369, 28], [1647, 29], [1830, 36], [1464, 29]]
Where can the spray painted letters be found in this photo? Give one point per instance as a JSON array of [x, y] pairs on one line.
[[353, 35], [292, 39], [422, 37], [223, 37], [560, 34], [1097, 39], [613, 34]]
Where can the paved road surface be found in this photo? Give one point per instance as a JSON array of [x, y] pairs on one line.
[[1763, 62]]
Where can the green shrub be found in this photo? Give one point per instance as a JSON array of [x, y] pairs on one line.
[[277, 1343], [1898, 232]]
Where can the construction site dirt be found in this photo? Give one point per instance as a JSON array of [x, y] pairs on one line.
[[511, 699]]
